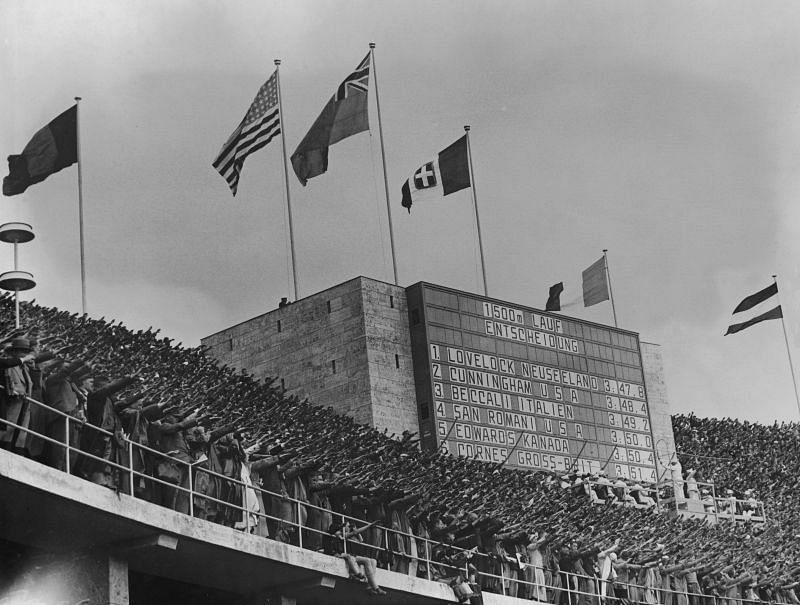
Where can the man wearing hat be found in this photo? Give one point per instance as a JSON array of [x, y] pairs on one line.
[[17, 385]]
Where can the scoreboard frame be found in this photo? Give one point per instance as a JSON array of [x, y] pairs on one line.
[[507, 383]]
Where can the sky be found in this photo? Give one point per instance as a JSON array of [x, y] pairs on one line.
[[667, 132]]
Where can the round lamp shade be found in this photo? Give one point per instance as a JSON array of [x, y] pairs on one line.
[[16, 233], [16, 281]]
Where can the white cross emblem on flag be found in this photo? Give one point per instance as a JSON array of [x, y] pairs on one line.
[[425, 177]]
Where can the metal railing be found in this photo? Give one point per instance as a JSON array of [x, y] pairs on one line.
[[627, 498], [434, 560], [715, 507]]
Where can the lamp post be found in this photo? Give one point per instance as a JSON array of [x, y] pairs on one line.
[[16, 280]]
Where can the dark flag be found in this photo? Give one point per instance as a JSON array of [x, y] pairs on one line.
[[260, 125], [51, 149], [447, 174], [554, 299], [344, 115], [756, 308]]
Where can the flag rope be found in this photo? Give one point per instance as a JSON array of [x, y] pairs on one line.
[[383, 158], [286, 175], [610, 289], [80, 202], [788, 350], [475, 203]]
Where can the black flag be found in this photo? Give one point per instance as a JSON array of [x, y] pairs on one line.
[[554, 300]]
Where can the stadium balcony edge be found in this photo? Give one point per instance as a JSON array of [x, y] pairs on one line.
[[65, 516]]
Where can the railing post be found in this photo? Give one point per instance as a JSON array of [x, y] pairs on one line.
[[191, 490], [246, 511], [344, 536], [502, 579], [386, 546], [130, 467], [300, 525], [66, 445], [428, 556]]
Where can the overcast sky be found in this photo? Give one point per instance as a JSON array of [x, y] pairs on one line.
[[666, 132]]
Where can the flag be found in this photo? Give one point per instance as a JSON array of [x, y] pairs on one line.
[[51, 149], [345, 114], [445, 175], [595, 285], [260, 125], [756, 308], [554, 299]]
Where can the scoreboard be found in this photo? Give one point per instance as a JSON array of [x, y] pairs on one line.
[[503, 383]]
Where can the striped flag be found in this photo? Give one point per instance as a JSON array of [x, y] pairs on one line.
[[260, 125], [756, 308], [51, 149]]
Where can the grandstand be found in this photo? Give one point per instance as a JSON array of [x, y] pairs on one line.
[[195, 480]]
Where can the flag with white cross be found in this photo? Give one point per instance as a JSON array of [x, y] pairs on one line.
[[445, 175]]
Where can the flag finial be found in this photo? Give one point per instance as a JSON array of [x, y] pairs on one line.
[[466, 127], [372, 45], [78, 98], [277, 62]]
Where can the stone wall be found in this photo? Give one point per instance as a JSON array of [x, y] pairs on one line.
[[347, 347], [660, 414]]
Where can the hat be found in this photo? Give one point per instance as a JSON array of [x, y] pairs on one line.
[[20, 344]]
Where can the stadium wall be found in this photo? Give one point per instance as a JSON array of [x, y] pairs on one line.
[[660, 414], [347, 347]]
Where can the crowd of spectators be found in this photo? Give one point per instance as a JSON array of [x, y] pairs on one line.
[[494, 529]]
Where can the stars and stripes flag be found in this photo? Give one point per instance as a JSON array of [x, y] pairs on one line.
[[260, 125]]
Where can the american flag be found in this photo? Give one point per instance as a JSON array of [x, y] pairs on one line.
[[261, 124]]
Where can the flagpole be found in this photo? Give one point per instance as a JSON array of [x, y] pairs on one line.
[[383, 158], [610, 290], [286, 175], [475, 204], [80, 203], [788, 350]]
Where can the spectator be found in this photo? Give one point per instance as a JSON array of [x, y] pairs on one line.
[[17, 386], [339, 534]]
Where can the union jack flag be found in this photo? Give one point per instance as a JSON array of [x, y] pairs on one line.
[[345, 114], [356, 83]]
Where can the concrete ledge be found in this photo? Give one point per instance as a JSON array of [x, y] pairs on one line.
[[60, 513]]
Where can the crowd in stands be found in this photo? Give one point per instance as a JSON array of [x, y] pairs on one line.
[[535, 535]]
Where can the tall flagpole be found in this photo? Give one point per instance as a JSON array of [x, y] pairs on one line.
[[383, 158], [80, 203], [475, 204], [788, 350], [610, 291], [286, 176]]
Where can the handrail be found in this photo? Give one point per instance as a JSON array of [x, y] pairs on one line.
[[426, 558]]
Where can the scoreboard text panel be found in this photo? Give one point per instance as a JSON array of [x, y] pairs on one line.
[[503, 383]]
